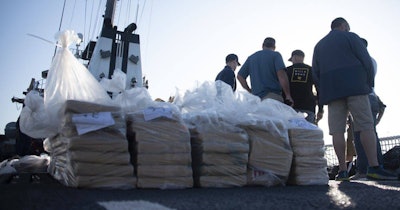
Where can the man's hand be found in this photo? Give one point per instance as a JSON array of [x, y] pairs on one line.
[[379, 117], [289, 101], [319, 117]]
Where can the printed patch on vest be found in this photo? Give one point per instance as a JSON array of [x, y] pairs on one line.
[[300, 75]]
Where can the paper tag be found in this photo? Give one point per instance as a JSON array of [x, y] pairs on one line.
[[156, 112], [92, 121]]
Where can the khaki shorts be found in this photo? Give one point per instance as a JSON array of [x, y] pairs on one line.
[[360, 109], [275, 96]]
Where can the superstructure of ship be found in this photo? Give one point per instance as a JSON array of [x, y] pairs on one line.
[[113, 49]]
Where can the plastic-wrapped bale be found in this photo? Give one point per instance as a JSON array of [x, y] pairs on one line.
[[30, 164], [98, 158], [86, 162], [160, 150], [72, 109], [270, 155], [220, 155], [309, 165]]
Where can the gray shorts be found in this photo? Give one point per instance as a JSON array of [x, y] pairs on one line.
[[358, 106]]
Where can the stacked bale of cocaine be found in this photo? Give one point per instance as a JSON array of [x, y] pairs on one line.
[[96, 159], [159, 144], [219, 151], [309, 165], [270, 153]]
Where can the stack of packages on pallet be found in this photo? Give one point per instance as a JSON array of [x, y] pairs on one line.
[[160, 147], [219, 152], [96, 159], [270, 153], [309, 164]]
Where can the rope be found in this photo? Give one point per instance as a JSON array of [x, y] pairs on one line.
[[48, 41], [62, 16], [72, 16], [141, 14], [96, 31], [59, 28], [127, 17], [90, 22], [137, 12], [119, 15], [84, 23], [148, 29]]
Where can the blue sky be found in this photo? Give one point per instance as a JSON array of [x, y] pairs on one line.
[[185, 42]]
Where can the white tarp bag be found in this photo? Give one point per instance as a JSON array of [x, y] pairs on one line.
[[130, 100], [33, 120], [67, 79]]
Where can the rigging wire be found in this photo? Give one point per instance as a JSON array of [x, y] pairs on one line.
[[72, 16], [96, 31], [137, 12], [128, 15], [144, 6], [84, 23], [90, 22], [148, 27], [59, 27], [119, 16]]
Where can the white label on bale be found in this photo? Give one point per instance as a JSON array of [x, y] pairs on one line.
[[156, 112], [92, 121]]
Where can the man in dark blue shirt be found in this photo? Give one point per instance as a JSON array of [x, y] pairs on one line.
[[343, 72], [227, 74]]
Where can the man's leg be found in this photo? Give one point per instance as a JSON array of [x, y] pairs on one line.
[[362, 161], [374, 102], [350, 150], [379, 149], [339, 144], [368, 140], [360, 109], [337, 115]]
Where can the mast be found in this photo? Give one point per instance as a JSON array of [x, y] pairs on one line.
[[116, 50], [110, 10], [109, 14]]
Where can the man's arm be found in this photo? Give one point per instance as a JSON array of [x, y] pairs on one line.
[[360, 50], [315, 69], [284, 81], [382, 108], [243, 82], [320, 114]]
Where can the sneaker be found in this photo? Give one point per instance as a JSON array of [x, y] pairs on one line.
[[342, 176], [378, 173], [358, 176]]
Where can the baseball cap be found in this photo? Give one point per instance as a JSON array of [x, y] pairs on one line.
[[296, 52], [232, 57]]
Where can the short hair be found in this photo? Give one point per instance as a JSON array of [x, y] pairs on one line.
[[337, 22], [269, 42], [364, 41]]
